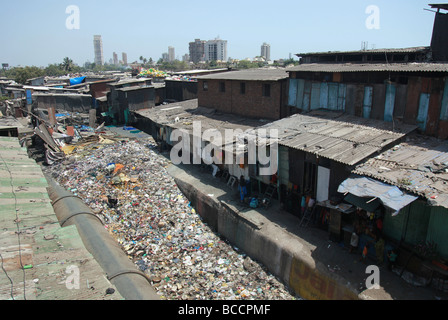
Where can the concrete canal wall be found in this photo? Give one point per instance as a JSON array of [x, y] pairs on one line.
[[285, 256]]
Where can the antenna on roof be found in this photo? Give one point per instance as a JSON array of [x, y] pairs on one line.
[[364, 45]]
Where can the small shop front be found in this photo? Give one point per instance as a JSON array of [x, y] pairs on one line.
[[370, 200]]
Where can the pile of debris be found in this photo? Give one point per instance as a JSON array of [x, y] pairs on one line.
[[152, 73], [126, 184], [60, 139]]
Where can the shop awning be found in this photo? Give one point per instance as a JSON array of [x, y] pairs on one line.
[[390, 196], [365, 203]]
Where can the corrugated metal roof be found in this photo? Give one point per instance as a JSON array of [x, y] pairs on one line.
[[259, 74], [201, 71], [10, 122], [129, 81], [371, 67], [383, 50], [418, 165], [342, 138], [182, 115], [333, 135], [134, 88]]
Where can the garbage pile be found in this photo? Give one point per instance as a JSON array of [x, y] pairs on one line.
[[152, 73], [182, 78], [126, 184]]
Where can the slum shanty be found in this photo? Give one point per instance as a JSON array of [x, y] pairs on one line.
[[357, 140], [344, 113], [180, 255]]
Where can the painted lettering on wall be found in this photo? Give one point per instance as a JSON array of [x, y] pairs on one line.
[[309, 284]]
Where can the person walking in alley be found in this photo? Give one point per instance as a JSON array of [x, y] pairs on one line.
[[365, 251], [242, 188], [354, 242], [392, 258], [379, 250]]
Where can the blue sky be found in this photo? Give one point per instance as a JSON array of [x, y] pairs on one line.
[[35, 33]]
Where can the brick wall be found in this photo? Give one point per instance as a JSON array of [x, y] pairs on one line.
[[251, 104]]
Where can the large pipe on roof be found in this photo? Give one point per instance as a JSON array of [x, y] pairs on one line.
[[121, 272]]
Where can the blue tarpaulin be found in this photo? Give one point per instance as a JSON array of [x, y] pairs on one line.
[[78, 80]]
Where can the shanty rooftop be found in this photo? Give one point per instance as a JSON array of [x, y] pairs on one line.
[[371, 67], [259, 74], [198, 72], [337, 136], [183, 114], [419, 165], [126, 81], [180, 115], [370, 51]]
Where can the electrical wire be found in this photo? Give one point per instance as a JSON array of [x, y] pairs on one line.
[[10, 280], [18, 230]]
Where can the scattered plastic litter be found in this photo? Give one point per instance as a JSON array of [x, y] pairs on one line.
[[126, 184]]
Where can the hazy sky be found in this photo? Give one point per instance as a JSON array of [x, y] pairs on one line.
[[34, 32]]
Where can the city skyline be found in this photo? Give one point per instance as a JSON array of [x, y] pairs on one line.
[[295, 27]]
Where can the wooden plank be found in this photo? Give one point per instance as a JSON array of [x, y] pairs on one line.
[[52, 115], [444, 107], [378, 101], [354, 99], [400, 101], [426, 85], [435, 102], [413, 99], [442, 129], [337, 76]]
